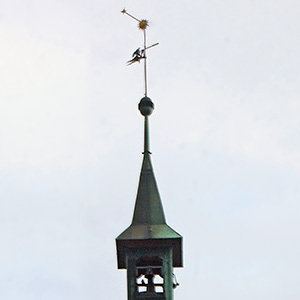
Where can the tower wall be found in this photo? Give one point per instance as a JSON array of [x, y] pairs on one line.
[[149, 273]]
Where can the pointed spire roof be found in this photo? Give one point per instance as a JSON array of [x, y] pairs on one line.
[[148, 207], [148, 220], [148, 227]]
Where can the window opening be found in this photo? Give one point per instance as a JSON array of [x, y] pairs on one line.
[[142, 283], [149, 280]]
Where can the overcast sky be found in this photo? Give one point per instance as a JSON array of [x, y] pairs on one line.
[[224, 135]]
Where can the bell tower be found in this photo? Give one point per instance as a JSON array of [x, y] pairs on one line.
[[149, 249]]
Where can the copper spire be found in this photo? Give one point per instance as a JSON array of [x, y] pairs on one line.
[[148, 227]]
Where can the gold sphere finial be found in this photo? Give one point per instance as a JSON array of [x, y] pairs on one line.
[[143, 24]]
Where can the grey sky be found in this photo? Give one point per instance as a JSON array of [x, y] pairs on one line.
[[224, 135]]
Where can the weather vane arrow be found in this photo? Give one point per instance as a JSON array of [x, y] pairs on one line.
[[140, 54]]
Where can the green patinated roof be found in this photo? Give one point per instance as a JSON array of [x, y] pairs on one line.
[[148, 207], [148, 228], [148, 220], [148, 232]]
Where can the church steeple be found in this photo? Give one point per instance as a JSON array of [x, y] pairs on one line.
[[148, 207], [148, 248]]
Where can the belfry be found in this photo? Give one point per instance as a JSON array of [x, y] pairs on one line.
[[149, 249]]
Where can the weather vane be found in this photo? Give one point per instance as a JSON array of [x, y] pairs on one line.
[[139, 53]]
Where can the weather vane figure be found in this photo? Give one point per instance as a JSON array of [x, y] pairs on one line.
[[137, 56], [140, 54]]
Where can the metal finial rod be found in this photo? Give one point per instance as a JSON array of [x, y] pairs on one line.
[[146, 106], [124, 11], [138, 55], [146, 136], [145, 63]]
